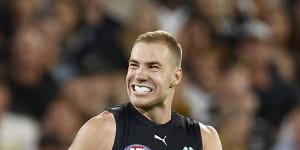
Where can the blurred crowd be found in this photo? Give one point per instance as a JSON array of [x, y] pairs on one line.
[[64, 61]]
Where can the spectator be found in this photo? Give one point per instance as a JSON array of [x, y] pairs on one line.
[[17, 132], [289, 138], [31, 83], [61, 122]]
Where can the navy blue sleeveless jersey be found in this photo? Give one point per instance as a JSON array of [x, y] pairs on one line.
[[135, 132]]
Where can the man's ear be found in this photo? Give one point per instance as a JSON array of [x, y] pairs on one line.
[[176, 78]]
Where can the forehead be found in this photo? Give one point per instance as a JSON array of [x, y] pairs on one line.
[[148, 52]]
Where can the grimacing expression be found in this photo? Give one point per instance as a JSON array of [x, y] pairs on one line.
[[151, 74]]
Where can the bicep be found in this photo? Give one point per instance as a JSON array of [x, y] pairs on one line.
[[210, 138]]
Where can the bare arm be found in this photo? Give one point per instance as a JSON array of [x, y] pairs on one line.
[[98, 133], [210, 138]]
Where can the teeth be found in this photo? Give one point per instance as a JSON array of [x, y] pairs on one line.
[[142, 89]]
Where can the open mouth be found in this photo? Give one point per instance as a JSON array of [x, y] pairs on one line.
[[141, 88]]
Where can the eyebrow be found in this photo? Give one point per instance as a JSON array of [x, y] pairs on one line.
[[133, 61], [154, 63], [148, 63]]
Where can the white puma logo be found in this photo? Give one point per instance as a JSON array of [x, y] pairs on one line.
[[159, 138]]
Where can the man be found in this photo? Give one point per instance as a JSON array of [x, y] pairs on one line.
[[147, 122]]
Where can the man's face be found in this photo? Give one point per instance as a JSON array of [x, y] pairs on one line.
[[151, 73]]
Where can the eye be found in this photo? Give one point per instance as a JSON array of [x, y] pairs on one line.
[[133, 65], [154, 67]]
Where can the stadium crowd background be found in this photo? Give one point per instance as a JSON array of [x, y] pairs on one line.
[[64, 61]]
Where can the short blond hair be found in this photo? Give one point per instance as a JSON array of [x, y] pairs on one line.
[[165, 38]]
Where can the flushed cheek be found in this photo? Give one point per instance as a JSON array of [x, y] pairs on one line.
[[161, 81]]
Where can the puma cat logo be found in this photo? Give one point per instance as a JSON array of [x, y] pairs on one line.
[[159, 138]]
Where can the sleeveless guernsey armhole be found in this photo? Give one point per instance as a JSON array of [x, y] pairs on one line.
[[197, 133], [192, 128], [119, 127], [197, 126]]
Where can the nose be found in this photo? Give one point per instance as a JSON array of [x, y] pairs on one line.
[[141, 74]]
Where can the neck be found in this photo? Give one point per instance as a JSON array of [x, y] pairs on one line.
[[158, 114]]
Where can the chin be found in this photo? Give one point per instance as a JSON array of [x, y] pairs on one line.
[[143, 103], [138, 102]]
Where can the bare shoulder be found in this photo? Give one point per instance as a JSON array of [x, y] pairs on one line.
[[97, 133], [210, 138]]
